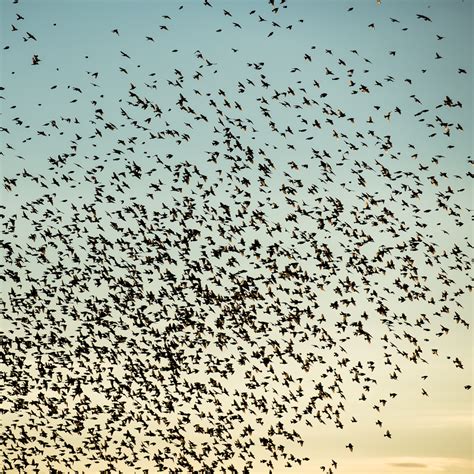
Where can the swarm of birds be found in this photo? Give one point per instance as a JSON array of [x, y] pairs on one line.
[[201, 262]]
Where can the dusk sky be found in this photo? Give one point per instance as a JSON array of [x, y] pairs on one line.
[[231, 214]]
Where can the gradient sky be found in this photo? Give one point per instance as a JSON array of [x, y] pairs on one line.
[[74, 40]]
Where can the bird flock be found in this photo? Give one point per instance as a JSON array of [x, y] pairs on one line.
[[203, 262]]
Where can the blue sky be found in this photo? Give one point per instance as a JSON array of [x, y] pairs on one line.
[[316, 72]]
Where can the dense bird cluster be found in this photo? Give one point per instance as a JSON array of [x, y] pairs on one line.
[[201, 271]]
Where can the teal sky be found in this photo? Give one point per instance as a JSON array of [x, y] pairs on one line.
[[394, 156]]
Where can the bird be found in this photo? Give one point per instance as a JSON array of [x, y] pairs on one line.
[[422, 17]]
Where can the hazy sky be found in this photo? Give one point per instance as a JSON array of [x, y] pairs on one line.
[[387, 70]]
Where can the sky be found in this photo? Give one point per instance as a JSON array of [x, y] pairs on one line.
[[362, 111]]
